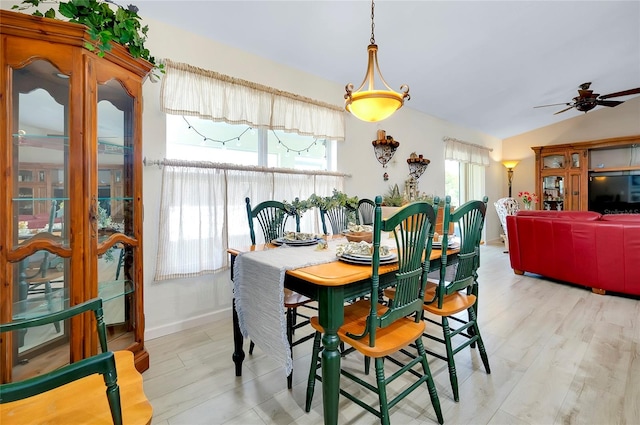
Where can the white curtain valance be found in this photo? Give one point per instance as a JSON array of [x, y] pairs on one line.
[[191, 91], [471, 153]]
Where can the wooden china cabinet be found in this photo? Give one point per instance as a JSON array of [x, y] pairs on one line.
[[564, 172], [561, 178], [71, 214]]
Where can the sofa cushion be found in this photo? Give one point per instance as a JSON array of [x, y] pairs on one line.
[[632, 218], [570, 215]]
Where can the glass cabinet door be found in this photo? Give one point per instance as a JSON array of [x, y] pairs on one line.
[[553, 193], [553, 161], [115, 211], [41, 278]]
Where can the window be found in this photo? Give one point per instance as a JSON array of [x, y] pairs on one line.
[[203, 209], [465, 165], [192, 138], [464, 181]]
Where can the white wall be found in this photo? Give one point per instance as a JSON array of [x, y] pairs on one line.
[[178, 304]]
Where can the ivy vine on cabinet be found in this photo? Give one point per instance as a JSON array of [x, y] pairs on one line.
[[71, 214]]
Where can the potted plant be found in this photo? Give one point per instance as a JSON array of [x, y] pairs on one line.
[[104, 25]]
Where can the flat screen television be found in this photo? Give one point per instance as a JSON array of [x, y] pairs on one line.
[[614, 193]]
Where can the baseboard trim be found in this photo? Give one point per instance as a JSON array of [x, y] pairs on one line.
[[192, 322]]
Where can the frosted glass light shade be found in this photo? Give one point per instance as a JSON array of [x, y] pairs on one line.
[[374, 105], [510, 164]]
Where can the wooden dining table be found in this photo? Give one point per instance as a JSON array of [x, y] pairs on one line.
[[331, 285]]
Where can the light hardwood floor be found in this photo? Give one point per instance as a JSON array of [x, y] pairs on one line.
[[559, 354]]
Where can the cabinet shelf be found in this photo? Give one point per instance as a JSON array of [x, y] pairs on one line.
[[111, 148], [27, 198], [41, 141], [608, 169], [38, 307]]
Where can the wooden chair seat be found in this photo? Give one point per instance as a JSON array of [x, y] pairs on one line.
[[429, 293], [351, 312], [389, 340], [84, 401], [452, 304]]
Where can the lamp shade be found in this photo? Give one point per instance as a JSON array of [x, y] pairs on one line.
[[510, 164], [374, 105]]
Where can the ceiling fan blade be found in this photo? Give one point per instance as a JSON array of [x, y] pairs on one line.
[[609, 102], [621, 93], [553, 104], [564, 110]]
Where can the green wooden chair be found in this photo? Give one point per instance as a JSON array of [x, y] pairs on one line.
[[272, 218], [338, 217], [103, 363], [366, 208], [377, 331], [451, 297]]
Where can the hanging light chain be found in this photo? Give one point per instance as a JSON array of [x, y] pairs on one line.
[[298, 151], [373, 37], [238, 137], [206, 138]]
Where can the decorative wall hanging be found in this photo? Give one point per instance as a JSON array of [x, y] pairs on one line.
[[384, 147], [417, 165]]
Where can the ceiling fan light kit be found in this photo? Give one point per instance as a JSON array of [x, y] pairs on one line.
[[587, 99], [369, 104]]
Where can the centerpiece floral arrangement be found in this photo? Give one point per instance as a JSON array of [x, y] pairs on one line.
[[528, 198]]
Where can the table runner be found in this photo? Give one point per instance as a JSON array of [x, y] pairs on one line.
[[258, 289]]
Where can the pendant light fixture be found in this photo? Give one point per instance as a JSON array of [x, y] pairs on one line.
[[369, 104]]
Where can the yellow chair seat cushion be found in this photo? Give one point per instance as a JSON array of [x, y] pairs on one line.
[[84, 401]]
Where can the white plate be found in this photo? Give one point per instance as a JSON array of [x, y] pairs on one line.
[[368, 257], [281, 241], [450, 242], [367, 260]]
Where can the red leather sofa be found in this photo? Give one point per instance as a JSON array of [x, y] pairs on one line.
[[601, 252]]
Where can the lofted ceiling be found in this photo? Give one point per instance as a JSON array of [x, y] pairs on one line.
[[478, 64]]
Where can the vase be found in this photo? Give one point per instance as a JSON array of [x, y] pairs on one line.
[[527, 206]]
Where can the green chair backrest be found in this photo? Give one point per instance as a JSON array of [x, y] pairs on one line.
[[412, 227], [272, 217], [103, 363], [469, 220], [338, 217], [366, 208]]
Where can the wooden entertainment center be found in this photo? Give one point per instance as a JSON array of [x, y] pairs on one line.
[[563, 172]]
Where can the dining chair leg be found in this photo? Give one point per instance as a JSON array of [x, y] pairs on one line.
[[481, 347], [382, 390], [251, 347], [446, 330], [433, 394], [313, 369]]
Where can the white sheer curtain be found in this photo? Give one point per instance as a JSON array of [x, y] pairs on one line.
[[188, 90], [192, 233], [466, 152], [203, 211]]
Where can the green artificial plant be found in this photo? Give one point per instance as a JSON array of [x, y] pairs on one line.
[[104, 25]]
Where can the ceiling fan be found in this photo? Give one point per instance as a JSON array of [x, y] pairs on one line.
[[587, 99]]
